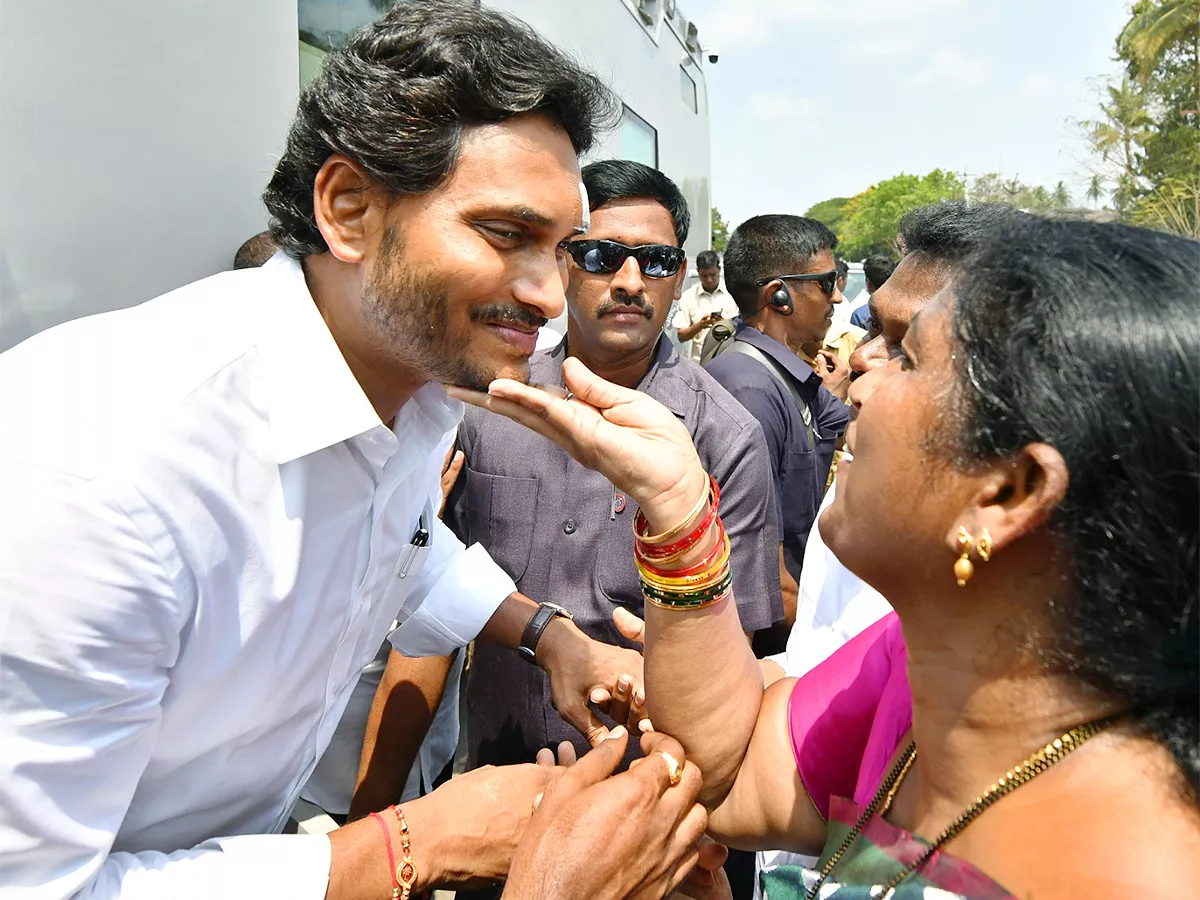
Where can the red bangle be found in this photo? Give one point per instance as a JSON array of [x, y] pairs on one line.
[[387, 839], [696, 569], [652, 551]]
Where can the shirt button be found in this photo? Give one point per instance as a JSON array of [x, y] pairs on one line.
[[569, 526]]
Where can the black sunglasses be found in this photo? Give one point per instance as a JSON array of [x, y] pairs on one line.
[[605, 257], [827, 281]]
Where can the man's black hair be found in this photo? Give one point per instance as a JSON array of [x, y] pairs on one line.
[[770, 245], [878, 268], [255, 251], [946, 233], [707, 259], [398, 96], [619, 179]]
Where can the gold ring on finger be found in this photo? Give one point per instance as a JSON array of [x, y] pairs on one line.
[[570, 396], [674, 768]]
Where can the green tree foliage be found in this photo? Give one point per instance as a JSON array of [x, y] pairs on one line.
[[871, 217], [720, 231], [830, 212], [1120, 137], [991, 188], [1157, 28], [1148, 139]]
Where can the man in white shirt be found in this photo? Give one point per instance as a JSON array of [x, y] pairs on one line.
[[702, 305], [216, 504]]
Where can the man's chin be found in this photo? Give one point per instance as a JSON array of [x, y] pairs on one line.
[[478, 378]]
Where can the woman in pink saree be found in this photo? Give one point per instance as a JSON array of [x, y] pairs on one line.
[[1034, 729]]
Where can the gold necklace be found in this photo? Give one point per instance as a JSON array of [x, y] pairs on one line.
[[1033, 765]]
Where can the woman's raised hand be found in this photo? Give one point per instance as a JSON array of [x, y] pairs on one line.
[[636, 442]]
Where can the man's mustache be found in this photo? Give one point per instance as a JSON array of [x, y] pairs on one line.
[[507, 314], [624, 305]]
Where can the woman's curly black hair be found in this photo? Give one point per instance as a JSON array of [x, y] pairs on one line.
[[397, 97]]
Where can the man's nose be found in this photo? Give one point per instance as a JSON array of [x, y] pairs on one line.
[[628, 280], [544, 290]]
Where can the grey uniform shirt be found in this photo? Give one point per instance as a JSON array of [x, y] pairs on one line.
[[565, 535]]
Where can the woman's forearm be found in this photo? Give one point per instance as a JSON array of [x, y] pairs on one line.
[[704, 688]]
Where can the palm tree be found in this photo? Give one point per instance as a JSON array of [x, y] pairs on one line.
[[1095, 190], [1120, 137], [1156, 26], [1061, 197]]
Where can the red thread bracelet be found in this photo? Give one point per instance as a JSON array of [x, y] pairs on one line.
[[387, 839]]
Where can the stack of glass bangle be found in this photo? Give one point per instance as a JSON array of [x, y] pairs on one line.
[[701, 584]]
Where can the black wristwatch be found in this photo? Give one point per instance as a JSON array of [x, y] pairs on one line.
[[537, 625]]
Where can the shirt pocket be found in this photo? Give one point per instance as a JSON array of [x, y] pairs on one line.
[[501, 511], [616, 572], [801, 494], [399, 602]]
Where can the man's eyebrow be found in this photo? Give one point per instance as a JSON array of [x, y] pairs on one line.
[[529, 216]]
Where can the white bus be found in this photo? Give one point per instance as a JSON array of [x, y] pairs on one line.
[[138, 135]]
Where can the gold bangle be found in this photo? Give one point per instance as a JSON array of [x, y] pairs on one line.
[[671, 532]]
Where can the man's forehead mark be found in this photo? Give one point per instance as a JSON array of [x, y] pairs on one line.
[[585, 226]]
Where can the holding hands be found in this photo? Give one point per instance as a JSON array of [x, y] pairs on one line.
[[646, 819]]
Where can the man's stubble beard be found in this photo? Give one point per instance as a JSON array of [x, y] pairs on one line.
[[409, 312]]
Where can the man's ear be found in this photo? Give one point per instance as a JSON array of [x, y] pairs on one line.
[[680, 278], [1016, 497], [347, 206]]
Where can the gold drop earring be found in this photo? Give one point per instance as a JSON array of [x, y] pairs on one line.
[[963, 567], [963, 544]]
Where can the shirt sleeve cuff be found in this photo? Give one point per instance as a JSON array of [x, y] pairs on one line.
[[273, 865], [456, 608]]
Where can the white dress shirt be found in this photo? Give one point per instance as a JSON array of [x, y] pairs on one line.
[[331, 785], [694, 304], [833, 606], [204, 536]]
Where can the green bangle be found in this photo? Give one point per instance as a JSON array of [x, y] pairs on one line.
[[688, 607], [686, 598]]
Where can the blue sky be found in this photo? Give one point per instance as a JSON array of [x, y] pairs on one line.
[[813, 99]]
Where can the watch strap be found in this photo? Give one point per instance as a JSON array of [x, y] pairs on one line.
[[538, 622]]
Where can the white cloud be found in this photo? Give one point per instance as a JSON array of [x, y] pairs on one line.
[[950, 68], [781, 108], [897, 25], [1039, 84]]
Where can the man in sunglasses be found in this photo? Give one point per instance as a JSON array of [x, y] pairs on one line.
[[783, 276], [564, 532]]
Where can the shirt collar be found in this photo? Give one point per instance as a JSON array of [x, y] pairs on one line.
[[546, 368], [313, 399], [795, 365]]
